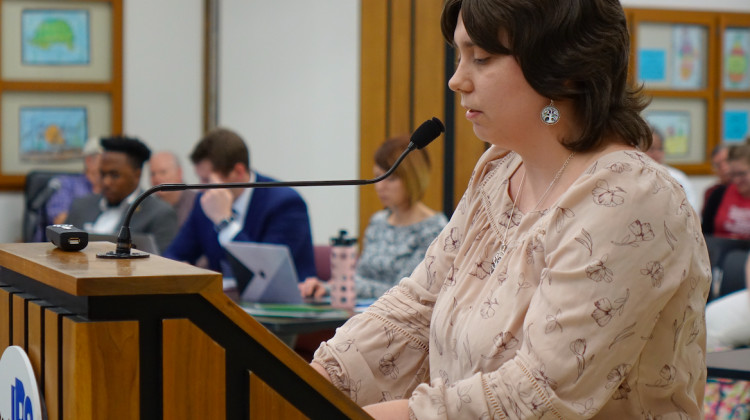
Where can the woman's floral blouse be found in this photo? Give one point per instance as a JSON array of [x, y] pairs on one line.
[[596, 310]]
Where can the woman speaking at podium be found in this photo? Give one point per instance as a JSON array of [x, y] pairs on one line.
[[571, 280]]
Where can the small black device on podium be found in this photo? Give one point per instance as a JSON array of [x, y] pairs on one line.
[[67, 237]]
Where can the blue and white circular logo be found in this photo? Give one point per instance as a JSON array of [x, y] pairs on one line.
[[19, 393]]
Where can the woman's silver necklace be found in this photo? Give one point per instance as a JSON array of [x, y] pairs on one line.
[[504, 244]]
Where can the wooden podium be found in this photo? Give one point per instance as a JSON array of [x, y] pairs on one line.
[[149, 339]]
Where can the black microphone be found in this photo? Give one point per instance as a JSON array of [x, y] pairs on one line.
[[422, 136], [41, 198]]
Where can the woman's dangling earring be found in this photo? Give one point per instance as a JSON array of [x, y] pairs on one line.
[[550, 114]]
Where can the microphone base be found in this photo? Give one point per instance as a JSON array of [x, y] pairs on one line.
[[114, 255]]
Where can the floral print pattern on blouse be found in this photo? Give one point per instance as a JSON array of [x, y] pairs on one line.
[[595, 311], [390, 253]]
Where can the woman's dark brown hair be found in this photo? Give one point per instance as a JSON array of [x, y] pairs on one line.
[[567, 49]]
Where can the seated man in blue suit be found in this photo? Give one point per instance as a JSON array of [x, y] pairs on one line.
[[220, 216]]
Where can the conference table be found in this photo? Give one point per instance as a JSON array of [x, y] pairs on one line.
[[312, 318], [300, 326], [283, 320]]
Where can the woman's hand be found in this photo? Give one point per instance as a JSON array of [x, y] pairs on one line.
[[312, 286], [395, 410]]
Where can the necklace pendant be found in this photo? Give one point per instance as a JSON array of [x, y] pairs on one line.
[[499, 256]]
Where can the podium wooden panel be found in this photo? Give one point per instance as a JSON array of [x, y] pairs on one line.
[[149, 339], [34, 343], [51, 367], [265, 403], [5, 306], [19, 317], [100, 369], [186, 345]]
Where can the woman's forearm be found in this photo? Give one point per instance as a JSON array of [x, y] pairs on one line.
[[320, 369]]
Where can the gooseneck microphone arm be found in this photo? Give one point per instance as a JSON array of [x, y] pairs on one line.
[[182, 187], [422, 136]]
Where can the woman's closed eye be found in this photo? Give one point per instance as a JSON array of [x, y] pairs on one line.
[[482, 59]]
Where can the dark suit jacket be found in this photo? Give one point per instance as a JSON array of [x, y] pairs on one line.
[[275, 215], [153, 216]]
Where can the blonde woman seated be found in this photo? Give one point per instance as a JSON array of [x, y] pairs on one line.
[[397, 237]]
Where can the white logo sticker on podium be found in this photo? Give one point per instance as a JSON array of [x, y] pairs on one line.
[[19, 393]]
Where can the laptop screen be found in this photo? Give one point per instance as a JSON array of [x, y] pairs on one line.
[[263, 272]]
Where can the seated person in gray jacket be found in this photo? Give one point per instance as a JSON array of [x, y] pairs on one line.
[[120, 168]]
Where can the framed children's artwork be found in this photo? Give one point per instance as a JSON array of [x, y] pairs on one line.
[[672, 56], [60, 82], [52, 133], [682, 125], [694, 67], [734, 81], [735, 121], [675, 128], [736, 59], [55, 37], [57, 41], [43, 130], [689, 56]]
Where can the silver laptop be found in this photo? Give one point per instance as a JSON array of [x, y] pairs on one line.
[[141, 241], [263, 272]]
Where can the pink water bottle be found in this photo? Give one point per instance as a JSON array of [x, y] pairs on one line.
[[343, 264]]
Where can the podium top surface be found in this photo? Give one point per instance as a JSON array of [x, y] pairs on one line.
[[81, 273]]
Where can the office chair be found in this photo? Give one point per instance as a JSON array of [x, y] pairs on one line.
[[733, 272], [38, 189], [323, 261]]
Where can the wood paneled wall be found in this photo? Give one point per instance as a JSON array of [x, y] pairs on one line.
[[403, 83]]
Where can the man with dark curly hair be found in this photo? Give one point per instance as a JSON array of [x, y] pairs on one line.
[[120, 168]]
